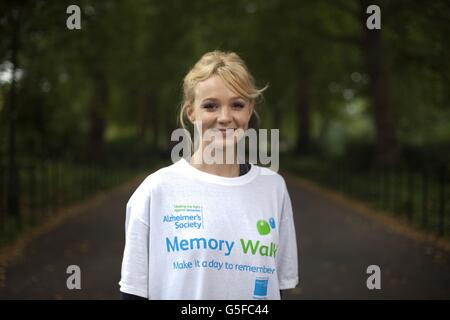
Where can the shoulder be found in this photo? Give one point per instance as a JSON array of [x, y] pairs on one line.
[[155, 180], [270, 177]]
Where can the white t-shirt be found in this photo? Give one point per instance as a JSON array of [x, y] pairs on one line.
[[195, 235]]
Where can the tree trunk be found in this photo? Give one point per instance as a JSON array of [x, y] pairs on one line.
[[97, 123], [145, 110], [387, 147], [155, 127], [142, 116], [303, 137], [12, 172]]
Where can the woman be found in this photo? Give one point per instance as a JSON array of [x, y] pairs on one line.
[[202, 229]]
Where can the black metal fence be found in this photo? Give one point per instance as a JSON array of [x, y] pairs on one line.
[[421, 196], [45, 187]]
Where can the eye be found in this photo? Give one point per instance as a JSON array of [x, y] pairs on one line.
[[209, 106], [238, 105]]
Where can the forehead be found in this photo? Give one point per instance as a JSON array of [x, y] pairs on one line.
[[214, 87]]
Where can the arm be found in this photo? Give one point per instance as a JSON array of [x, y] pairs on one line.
[[287, 259], [134, 275], [127, 296]]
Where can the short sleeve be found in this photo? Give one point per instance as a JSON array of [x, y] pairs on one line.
[[134, 273], [287, 260]]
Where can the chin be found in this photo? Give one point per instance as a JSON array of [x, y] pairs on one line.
[[225, 144]]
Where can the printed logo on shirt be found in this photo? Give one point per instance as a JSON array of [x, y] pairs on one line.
[[247, 246], [260, 289], [254, 247], [185, 217], [232, 250], [264, 227]]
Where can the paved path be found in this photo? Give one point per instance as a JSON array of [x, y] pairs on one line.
[[335, 247]]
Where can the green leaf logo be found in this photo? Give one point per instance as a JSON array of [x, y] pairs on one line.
[[263, 227]]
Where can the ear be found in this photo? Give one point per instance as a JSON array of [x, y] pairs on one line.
[[190, 113]]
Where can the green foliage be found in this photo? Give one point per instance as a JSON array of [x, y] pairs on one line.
[[104, 99], [123, 71]]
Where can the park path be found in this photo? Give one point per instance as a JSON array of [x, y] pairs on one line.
[[336, 245]]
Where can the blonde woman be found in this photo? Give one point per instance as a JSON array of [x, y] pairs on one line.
[[211, 230]]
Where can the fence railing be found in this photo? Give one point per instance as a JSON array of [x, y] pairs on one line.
[[421, 196], [45, 187]]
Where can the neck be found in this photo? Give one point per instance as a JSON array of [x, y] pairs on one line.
[[223, 170]]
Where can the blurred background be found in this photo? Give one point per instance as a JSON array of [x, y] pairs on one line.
[[361, 112]]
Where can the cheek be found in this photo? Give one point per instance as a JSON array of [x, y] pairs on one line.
[[206, 118], [244, 119], [201, 115]]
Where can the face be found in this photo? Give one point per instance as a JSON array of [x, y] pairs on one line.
[[218, 108]]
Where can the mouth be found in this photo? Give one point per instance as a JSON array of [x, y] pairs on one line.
[[226, 131]]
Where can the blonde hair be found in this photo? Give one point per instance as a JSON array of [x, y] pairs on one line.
[[233, 71]]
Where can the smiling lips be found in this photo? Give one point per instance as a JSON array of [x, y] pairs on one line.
[[226, 131]]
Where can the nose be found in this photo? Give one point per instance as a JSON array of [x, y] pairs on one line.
[[224, 115]]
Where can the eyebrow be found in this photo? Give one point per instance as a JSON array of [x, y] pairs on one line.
[[215, 99]]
